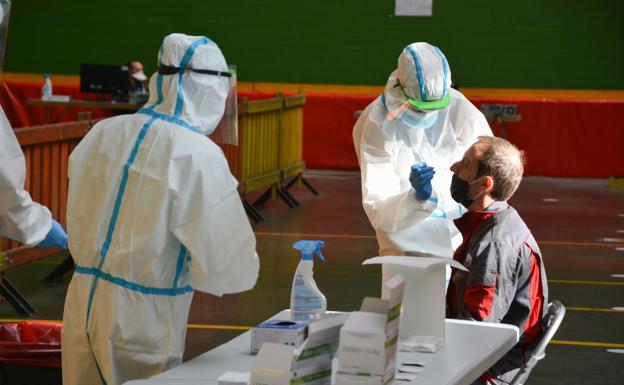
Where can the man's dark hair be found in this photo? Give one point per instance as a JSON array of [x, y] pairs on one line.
[[504, 163]]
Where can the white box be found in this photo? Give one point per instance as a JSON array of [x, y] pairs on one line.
[[424, 302], [272, 365], [285, 332], [368, 340], [310, 364], [362, 340]]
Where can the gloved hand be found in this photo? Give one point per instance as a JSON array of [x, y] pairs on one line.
[[55, 237], [420, 178]]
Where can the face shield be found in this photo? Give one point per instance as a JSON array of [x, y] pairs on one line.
[[226, 131]]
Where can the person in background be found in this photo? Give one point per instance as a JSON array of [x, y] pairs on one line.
[[21, 219], [153, 214], [506, 278], [136, 78]]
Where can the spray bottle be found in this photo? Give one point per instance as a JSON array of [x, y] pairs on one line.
[[306, 300]]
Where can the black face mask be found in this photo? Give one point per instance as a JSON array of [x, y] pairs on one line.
[[459, 191]]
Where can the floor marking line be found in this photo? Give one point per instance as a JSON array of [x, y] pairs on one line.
[[313, 235], [357, 236], [218, 327], [190, 326], [596, 309], [237, 327], [16, 320], [587, 343], [573, 282]]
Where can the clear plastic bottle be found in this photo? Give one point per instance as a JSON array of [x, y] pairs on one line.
[[306, 300], [46, 89]]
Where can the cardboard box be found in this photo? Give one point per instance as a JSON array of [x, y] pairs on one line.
[[368, 339], [310, 364], [424, 302], [285, 332]]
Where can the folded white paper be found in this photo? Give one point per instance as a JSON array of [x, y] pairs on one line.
[[234, 378], [424, 303]]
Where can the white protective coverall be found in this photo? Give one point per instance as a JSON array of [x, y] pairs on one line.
[[390, 137], [21, 219], [153, 214]]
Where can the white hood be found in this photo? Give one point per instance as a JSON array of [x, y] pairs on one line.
[[424, 73], [198, 99]]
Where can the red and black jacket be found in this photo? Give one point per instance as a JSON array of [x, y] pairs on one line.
[[506, 279]]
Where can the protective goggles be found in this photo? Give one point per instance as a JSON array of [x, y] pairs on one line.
[[170, 70], [427, 105]]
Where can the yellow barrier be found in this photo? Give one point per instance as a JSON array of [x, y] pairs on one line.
[[259, 126], [270, 148], [291, 137], [270, 132]]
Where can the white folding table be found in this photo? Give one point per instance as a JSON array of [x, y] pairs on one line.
[[471, 348]]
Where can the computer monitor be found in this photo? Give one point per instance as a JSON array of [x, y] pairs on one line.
[[105, 79]]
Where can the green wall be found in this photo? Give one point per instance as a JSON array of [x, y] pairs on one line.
[[489, 43]]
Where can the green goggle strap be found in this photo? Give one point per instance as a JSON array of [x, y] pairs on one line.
[[428, 105]]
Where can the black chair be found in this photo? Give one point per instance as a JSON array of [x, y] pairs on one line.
[[555, 312]]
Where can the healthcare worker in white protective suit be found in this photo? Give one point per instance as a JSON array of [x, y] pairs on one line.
[[153, 214], [405, 141], [21, 219]]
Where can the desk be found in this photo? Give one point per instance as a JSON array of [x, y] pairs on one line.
[[471, 348], [90, 104]]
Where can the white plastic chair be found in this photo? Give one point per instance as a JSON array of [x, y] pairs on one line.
[[550, 323]]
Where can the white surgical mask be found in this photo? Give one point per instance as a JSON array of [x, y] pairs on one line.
[[419, 120]]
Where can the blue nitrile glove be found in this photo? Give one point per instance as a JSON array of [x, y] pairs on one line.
[[56, 237], [420, 178]]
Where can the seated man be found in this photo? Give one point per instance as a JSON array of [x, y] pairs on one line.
[[506, 280]]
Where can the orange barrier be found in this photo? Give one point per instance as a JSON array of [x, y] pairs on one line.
[[270, 132], [266, 141], [46, 150]]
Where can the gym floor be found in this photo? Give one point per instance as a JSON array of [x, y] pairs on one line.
[[579, 225]]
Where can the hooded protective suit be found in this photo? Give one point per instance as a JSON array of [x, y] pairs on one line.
[[21, 219], [153, 214], [418, 118]]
